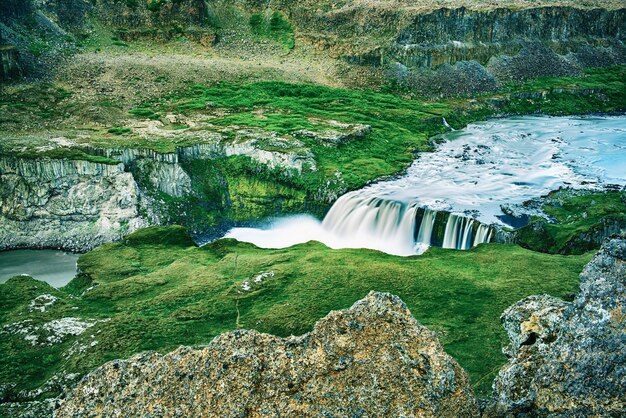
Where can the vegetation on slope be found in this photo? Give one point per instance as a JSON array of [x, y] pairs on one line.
[[240, 189], [579, 220], [156, 291]]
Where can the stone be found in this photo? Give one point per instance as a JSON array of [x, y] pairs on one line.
[[569, 359], [373, 359]]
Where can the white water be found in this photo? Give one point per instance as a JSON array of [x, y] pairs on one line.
[[471, 174]]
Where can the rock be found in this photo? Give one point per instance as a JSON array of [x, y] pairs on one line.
[[373, 359], [9, 63], [68, 204], [569, 359], [342, 133], [534, 60]]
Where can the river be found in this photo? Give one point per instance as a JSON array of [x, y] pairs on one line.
[[459, 188]]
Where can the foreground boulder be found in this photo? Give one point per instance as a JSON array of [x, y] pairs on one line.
[[569, 359], [373, 359]]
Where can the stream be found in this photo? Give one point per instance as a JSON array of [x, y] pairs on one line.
[[52, 266]]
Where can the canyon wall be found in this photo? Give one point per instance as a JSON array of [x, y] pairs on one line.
[[75, 205], [447, 36]]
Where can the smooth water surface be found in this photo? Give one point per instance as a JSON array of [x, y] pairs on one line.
[[55, 267]]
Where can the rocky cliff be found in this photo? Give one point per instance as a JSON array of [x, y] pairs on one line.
[[459, 42], [373, 359], [569, 359], [78, 204], [446, 36], [68, 204]]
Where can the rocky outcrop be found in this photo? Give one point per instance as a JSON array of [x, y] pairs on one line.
[[373, 359], [446, 51], [78, 205], [159, 20], [75, 205], [446, 36], [569, 359]]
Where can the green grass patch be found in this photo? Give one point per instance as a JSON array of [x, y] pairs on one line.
[[118, 131], [161, 291], [400, 126], [580, 220], [274, 26]]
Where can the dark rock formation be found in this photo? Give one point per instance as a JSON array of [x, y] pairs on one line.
[[464, 77], [569, 359], [447, 36], [534, 60], [373, 359]]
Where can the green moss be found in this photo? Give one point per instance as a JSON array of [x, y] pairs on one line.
[[579, 217], [161, 291], [61, 153], [275, 27], [175, 236], [118, 131], [228, 190], [154, 5]]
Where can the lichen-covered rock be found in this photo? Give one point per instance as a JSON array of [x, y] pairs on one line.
[[569, 359], [373, 359]]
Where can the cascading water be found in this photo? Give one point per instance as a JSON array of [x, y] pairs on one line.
[[401, 227], [505, 161]]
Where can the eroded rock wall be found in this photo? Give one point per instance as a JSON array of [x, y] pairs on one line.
[[75, 205], [569, 359]]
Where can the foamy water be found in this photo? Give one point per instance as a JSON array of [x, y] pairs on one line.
[[472, 173]]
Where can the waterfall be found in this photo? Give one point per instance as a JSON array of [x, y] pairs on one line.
[[426, 226], [401, 227], [459, 232]]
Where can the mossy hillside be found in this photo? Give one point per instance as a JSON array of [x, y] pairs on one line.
[[579, 218], [401, 126], [161, 291], [273, 25]]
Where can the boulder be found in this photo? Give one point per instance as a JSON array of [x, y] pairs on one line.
[[373, 359], [569, 359]]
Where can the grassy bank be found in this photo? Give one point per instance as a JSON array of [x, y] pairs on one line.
[[156, 291], [400, 126], [578, 221]]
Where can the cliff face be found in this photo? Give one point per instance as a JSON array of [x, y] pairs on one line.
[[78, 205], [427, 39], [568, 359], [373, 359], [466, 50], [68, 204], [9, 64], [447, 36]]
